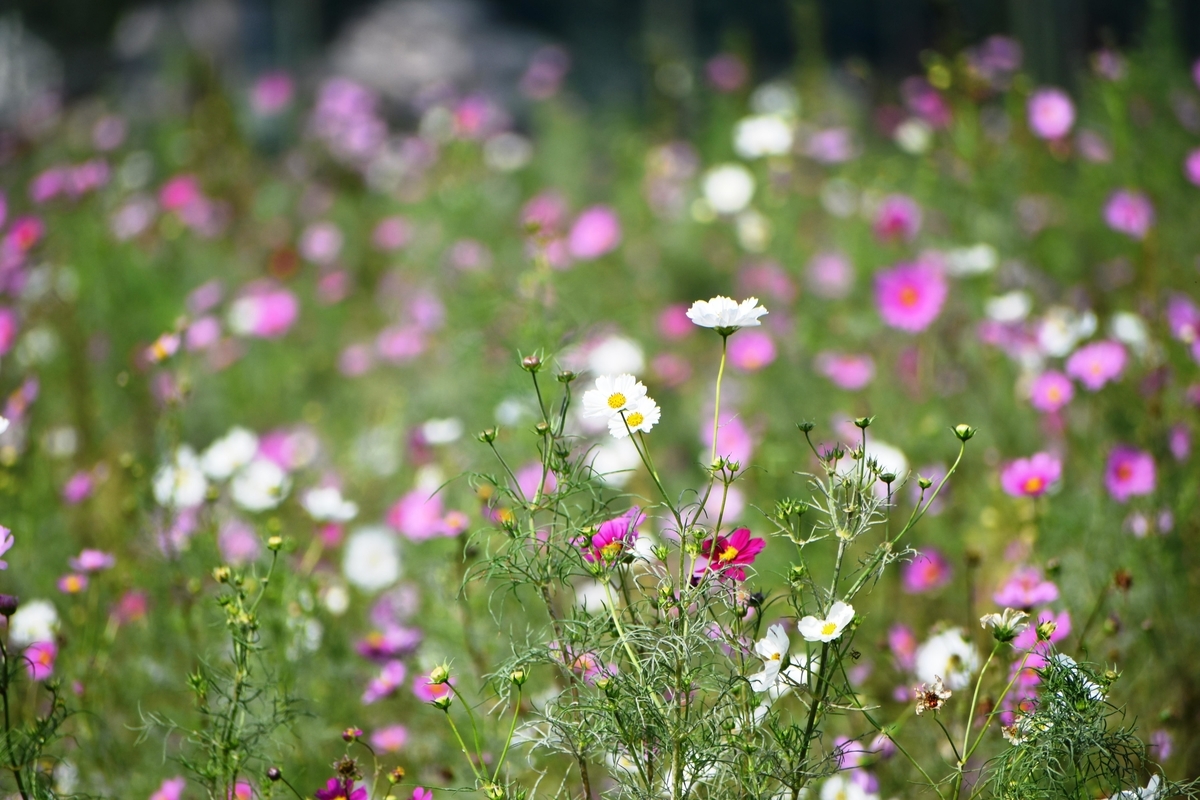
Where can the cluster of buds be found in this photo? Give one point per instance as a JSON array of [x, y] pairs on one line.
[[1005, 625], [931, 698]]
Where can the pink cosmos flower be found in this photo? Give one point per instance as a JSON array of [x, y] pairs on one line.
[[39, 660], [1179, 441], [390, 739], [1191, 166], [72, 583], [1051, 391], [321, 243], [390, 678], [545, 213], [180, 192], [909, 296], [1025, 588], [93, 561], [391, 642], [391, 233], [1183, 318], [272, 93], [400, 343], [428, 692], [420, 793], [613, 538], [25, 232], [1051, 113], [170, 789], [595, 233], [528, 478], [86, 177], [418, 515], [903, 644], [727, 556], [1162, 744], [239, 543], [1130, 213], [131, 607], [829, 275], [341, 789], [1130, 472], [929, 570], [897, 218], [264, 310], [734, 441], [48, 184], [8, 329], [673, 322], [1031, 477], [1027, 639], [751, 350], [77, 488], [1098, 363], [202, 334], [850, 371], [6, 542]]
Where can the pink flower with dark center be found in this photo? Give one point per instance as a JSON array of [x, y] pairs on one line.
[[898, 217], [751, 350], [1098, 363], [1051, 391], [93, 561], [391, 233], [390, 739], [1025, 588], [595, 233], [39, 660], [1130, 213], [1031, 477], [613, 539], [909, 296], [850, 371], [929, 570], [1130, 472], [1051, 113], [727, 556], [272, 93]]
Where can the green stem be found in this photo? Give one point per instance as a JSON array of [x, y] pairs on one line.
[[512, 729], [462, 745], [717, 404], [8, 724]]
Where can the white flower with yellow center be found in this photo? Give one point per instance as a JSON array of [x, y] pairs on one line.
[[612, 396], [772, 649], [814, 629], [642, 415], [725, 314]]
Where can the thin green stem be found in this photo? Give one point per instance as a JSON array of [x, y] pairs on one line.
[[463, 745], [717, 404], [512, 729]]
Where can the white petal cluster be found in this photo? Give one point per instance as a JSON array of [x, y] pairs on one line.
[[814, 629], [228, 454], [949, 655], [762, 135], [326, 504], [34, 621], [774, 678], [372, 559], [728, 188], [623, 403], [180, 483], [260, 485], [723, 313]]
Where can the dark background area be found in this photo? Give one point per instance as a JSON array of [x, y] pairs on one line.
[[611, 40]]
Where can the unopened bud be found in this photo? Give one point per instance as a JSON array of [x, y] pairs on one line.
[[352, 734], [887, 477], [8, 604], [964, 432], [924, 482], [221, 574], [541, 428], [566, 376], [531, 363], [518, 677], [443, 702], [796, 573], [439, 675], [487, 435], [805, 427], [274, 774], [396, 775], [863, 422], [493, 791], [274, 543], [1046, 629]]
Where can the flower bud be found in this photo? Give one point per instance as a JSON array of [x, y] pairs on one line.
[[1046, 629], [796, 573], [396, 775], [274, 774], [863, 422], [443, 702], [964, 432], [352, 734], [8, 604], [518, 677], [493, 791], [274, 543], [531, 363], [439, 675], [221, 574], [541, 429], [487, 435], [805, 427], [566, 376], [660, 552], [887, 477], [924, 482]]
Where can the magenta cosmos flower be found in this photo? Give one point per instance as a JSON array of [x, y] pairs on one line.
[[909, 296], [39, 660], [1025, 588], [898, 217], [928, 571], [751, 351], [341, 789], [1129, 213], [1051, 113], [596, 232], [93, 561], [729, 556], [850, 371], [1030, 477], [1129, 472], [1097, 364], [613, 538], [1051, 391]]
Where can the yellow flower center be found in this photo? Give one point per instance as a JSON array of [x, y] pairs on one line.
[[908, 296], [828, 628], [611, 550], [776, 656], [616, 400], [1054, 394], [1034, 484], [728, 554], [635, 419]]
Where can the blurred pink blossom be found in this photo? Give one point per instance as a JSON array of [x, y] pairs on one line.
[[751, 350], [898, 217], [1097, 364], [928, 571], [1025, 588], [909, 296], [1129, 473], [596, 232], [1051, 113], [1050, 391], [1030, 477], [272, 93], [850, 371], [1130, 213]]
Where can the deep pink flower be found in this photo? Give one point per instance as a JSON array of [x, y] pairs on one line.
[[391, 642], [595, 233], [272, 93], [909, 296], [1129, 212], [25, 232], [341, 789], [1025, 588], [1129, 472], [180, 192], [418, 515], [1051, 391], [131, 607], [39, 660], [170, 789], [93, 561], [929, 570], [1031, 477], [925, 101], [613, 539], [244, 791], [829, 275], [6, 542], [1051, 113], [77, 488], [898, 217], [850, 371], [428, 692], [751, 350], [728, 555], [420, 793], [1098, 363], [390, 739]]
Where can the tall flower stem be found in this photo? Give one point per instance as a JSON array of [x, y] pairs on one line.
[[717, 403]]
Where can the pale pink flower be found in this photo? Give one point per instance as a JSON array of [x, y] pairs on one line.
[[1097, 364], [1130, 213], [596, 232], [1051, 391], [752, 350], [390, 739], [272, 93], [1051, 113], [850, 371], [1025, 588]]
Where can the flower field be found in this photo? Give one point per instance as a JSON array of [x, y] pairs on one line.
[[812, 435]]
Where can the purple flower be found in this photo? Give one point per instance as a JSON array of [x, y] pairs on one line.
[[751, 350], [1051, 391], [341, 789], [850, 371], [1191, 166], [831, 146], [726, 72], [1129, 472], [1162, 744], [613, 538], [1130, 213], [897, 217], [1031, 477], [928, 571], [1179, 441], [6, 542], [909, 296], [596, 232], [1051, 113], [1025, 588], [77, 488], [1098, 363], [393, 641], [39, 660], [93, 561]]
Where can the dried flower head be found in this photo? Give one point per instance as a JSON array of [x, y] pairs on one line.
[[931, 698]]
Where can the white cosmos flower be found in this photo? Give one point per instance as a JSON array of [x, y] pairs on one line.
[[1012, 306], [3, 424], [814, 629], [1062, 328], [839, 787], [613, 462], [260, 485], [35, 621], [722, 312], [772, 649], [913, 136], [372, 559], [616, 354], [762, 135], [728, 188], [326, 504], [612, 396], [181, 483], [442, 431], [641, 415], [1154, 791], [950, 655], [228, 454]]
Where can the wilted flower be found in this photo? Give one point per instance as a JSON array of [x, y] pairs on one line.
[[909, 296], [1031, 477], [1051, 113], [1130, 472], [726, 315], [814, 629], [931, 698]]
